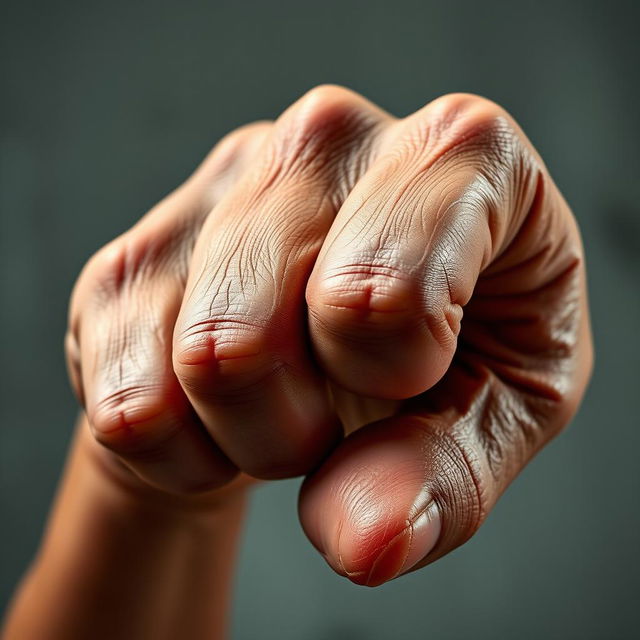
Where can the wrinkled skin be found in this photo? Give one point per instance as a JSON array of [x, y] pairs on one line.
[[415, 283]]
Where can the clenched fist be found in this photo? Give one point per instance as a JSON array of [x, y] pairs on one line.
[[417, 284]]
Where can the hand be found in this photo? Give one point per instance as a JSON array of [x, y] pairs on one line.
[[196, 356]]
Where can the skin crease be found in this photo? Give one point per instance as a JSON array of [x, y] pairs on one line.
[[395, 308]]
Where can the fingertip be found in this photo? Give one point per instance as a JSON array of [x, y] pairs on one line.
[[369, 510]]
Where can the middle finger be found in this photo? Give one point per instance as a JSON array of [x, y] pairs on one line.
[[240, 344]]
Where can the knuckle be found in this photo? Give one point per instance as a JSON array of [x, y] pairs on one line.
[[460, 122], [239, 137], [360, 301], [223, 355], [228, 161], [134, 259], [135, 420], [323, 100], [232, 148], [454, 104], [97, 284], [322, 122], [468, 113], [113, 267], [364, 287], [478, 124], [108, 264]]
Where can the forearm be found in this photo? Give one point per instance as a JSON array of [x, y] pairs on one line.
[[123, 561]]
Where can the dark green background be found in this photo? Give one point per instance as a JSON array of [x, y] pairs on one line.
[[105, 107]]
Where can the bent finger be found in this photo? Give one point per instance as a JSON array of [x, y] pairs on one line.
[[134, 404], [240, 345], [121, 322], [449, 190]]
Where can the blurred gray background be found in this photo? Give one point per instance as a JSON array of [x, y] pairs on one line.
[[105, 107]]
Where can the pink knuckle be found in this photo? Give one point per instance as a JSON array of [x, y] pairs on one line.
[[221, 353], [365, 290], [215, 340], [133, 420], [367, 304]]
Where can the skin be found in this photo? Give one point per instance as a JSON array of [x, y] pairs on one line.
[[296, 308]]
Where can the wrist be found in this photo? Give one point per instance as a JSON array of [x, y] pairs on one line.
[[110, 533]]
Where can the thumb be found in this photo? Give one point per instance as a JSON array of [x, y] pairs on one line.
[[395, 493], [404, 491]]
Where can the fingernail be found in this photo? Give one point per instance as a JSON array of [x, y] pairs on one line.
[[408, 548]]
